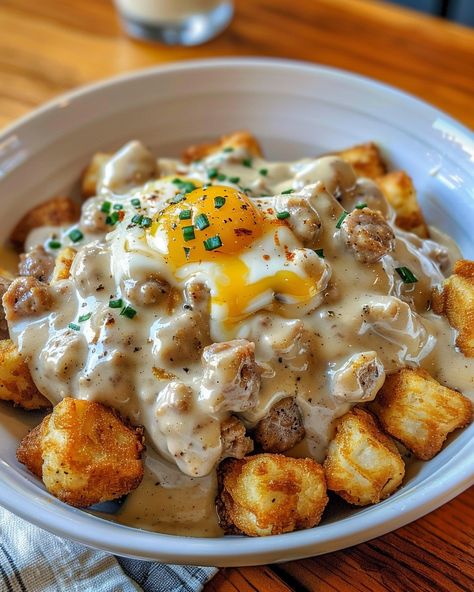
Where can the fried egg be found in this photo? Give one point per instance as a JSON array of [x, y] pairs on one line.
[[241, 248]]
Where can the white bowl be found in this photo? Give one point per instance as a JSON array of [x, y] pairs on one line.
[[296, 110]]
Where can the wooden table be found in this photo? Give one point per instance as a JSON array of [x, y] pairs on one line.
[[50, 46]]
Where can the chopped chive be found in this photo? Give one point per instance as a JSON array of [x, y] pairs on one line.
[[219, 201], [221, 177], [228, 149], [247, 162], [136, 203], [212, 173], [105, 207], [287, 191], [263, 172], [118, 207], [146, 222], [341, 219], [128, 311], [177, 198], [234, 180], [116, 303], [84, 317], [201, 221], [212, 243], [206, 185], [184, 186], [361, 206], [188, 233], [137, 219], [76, 235], [283, 215], [54, 244], [74, 327], [319, 253], [112, 219], [187, 250], [408, 277], [185, 215]]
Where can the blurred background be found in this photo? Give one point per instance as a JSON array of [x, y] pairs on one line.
[[461, 11], [425, 47]]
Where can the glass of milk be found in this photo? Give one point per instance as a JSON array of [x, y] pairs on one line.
[[175, 22]]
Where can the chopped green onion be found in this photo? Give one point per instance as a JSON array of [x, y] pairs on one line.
[[177, 198], [287, 191], [118, 207], [263, 172], [188, 233], [219, 201], [283, 215], [105, 207], [116, 303], [247, 162], [228, 149], [76, 235], [319, 253], [136, 203], [137, 219], [341, 219], [128, 311], [212, 243], [408, 277], [112, 219], [361, 206], [185, 215], [74, 327], [187, 250], [234, 180], [184, 186], [84, 317], [201, 221], [221, 177], [146, 222], [54, 244], [212, 173]]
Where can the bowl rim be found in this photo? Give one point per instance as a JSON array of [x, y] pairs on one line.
[[439, 487]]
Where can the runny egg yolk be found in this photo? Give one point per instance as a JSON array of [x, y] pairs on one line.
[[218, 224], [207, 224]]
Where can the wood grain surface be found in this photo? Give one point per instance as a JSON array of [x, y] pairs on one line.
[[50, 46]]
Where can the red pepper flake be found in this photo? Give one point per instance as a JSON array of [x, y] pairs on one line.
[[121, 215], [266, 257], [276, 238]]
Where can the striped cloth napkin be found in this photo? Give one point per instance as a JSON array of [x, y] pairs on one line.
[[32, 560]]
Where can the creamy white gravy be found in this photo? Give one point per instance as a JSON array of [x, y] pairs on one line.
[[301, 348]]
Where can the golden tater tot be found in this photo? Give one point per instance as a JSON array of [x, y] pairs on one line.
[[58, 211], [29, 451], [363, 464], [88, 453], [365, 159], [398, 189], [16, 384], [414, 408], [241, 139], [271, 494], [91, 175], [456, 301]]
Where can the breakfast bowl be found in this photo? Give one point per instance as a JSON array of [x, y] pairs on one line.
[[295, 110]]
